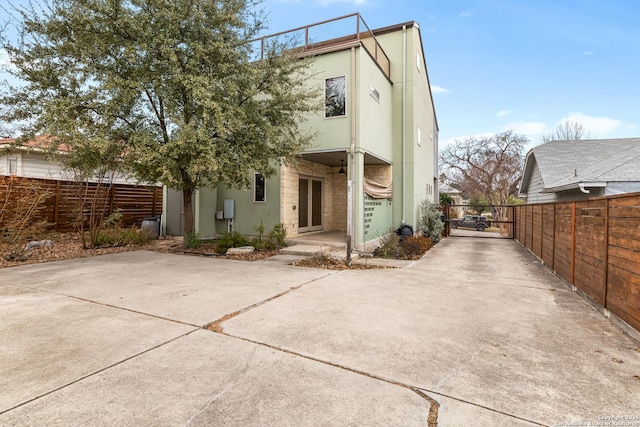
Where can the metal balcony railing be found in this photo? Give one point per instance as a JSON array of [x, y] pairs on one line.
[[326, 34]]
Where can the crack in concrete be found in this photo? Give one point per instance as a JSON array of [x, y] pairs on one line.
[[103, 369], [215, 325], [234, 383], [478, 405], [104, 304], [432, 420]]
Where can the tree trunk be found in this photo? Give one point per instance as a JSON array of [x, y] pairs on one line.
[[189, 226]]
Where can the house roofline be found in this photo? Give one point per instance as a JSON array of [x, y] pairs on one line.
[[526, 174], [579, 185], [413, 24]]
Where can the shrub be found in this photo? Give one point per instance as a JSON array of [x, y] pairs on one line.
[[117, 236], [277, 236], [430, 222], [389, 246], [231, 239], [413, 247], [192, 240], [274, 240]]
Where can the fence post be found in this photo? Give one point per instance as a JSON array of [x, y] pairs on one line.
[[553, 240], [153, 202], [606, 252], [541, 231], [573, 242], [56, 207]]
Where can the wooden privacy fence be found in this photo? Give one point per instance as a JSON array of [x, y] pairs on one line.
[[592, 244], [135, 202]]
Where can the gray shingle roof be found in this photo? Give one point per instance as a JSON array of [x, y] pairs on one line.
[[563, 163]]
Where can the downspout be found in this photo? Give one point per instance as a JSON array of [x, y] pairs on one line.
[[352, 162], [404, 120], [584, 190]]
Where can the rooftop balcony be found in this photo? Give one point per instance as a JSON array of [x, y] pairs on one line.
[[327, 35]]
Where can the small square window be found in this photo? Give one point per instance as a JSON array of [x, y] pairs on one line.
[[259, 188]]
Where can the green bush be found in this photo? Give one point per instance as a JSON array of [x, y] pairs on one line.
[[192, 240], [277, 236], [230, 240], [117, 236], [430, 222], [274, 240], [389, 246]]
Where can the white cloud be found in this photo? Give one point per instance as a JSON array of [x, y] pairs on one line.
[[527, 128], [5, 65], [503, 113], [465, 13], [597, 127], [4, 59], [589, 52], [439, 89]]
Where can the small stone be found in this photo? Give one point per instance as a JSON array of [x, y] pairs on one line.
[[37, 244], [241, 250]]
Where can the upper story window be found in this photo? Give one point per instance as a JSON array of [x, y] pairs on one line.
[[259, 188], [418, 61], [335, 96]]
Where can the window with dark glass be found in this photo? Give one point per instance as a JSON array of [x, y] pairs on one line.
[[335, 96], [259, 188]]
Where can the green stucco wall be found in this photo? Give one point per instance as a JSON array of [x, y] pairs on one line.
[[248, 213]]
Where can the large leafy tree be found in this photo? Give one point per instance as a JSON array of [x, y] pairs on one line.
[[174, 82], [488, 167]]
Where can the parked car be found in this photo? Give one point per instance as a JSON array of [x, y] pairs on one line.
[[478, 222]]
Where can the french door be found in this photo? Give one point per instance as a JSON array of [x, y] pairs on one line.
[[310, 204]]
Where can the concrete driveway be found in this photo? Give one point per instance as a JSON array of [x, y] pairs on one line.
[[475, 333]]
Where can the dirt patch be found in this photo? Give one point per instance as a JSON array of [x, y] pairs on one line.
[[69, 246], [328, 262], [65, 246], [208, 249]]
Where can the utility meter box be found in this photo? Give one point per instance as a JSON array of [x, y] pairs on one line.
[[229, 205]]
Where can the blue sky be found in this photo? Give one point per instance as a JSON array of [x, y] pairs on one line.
[[525, 65]]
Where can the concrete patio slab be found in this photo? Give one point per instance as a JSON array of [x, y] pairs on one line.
[[517, 342], [478, 325], [205, 379], [50, 341], [190, 289]]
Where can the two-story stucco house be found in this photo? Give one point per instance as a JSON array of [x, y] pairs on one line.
[[375, 158]]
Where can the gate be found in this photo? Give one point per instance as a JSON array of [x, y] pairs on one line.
[[496, 223]]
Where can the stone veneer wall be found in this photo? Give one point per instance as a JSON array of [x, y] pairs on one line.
[[334, 198], [382, 174], [289, 193]]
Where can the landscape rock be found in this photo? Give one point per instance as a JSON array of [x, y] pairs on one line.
[[37, 244], [241, 250]]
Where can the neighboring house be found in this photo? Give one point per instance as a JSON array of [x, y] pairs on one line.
[[375, 158], [559, 171], [30, 161], [457, 210]]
